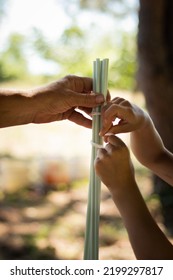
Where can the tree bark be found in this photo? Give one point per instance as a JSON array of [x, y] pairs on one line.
[[155, 78]]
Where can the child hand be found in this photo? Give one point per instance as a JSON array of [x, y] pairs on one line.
[[113, 165], [130, 116]]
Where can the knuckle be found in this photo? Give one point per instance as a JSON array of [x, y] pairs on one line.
[[127, 103], [69, 77], [129, 110], [117, 98]]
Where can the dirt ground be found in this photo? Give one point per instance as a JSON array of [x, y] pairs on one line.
[[53, 226]]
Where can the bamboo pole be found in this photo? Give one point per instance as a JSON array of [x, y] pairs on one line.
[[91, 248]]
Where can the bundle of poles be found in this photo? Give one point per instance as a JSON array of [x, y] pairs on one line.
[[91, 248]]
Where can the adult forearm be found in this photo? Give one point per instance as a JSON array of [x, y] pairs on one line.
[[147, 240], [16, 107]]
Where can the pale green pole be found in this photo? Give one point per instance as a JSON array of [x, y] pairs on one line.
[[91, 248]]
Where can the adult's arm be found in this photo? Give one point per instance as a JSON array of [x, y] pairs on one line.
[[53, 102]]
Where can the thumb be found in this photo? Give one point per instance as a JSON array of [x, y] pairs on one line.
[[87, 100], [116, 141]]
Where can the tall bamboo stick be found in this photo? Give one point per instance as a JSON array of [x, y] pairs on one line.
[[91, 249]]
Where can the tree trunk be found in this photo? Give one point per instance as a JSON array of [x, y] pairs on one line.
[[155, 79]]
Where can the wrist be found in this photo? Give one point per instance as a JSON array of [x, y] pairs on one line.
[[121, 192], [146, 121], [125, 198]]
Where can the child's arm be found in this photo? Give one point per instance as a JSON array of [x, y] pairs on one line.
[[149, 149], [146, 143], [113, 165]]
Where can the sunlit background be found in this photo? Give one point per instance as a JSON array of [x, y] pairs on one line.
[[44, 169]]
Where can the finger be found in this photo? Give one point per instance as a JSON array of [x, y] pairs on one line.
[[105, 137], [119, 128], [106, 124], [117, 100], [105, 107], [113, 112], [114, 105], [109, 148], [89, 110], [121, 101], [79, 119], [115, 141], [105, 129], [87, 84], [101, 153], [79, 84], [108, 96]]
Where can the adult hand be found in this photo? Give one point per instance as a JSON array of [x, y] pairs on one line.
[[59, 100], [54, 102]]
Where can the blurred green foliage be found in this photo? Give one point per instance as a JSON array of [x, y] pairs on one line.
[[74, 50], [123, 69], [115, 8], [13, 64]]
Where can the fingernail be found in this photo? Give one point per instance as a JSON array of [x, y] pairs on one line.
[[102, 132], [100, 98], [109, 134]]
